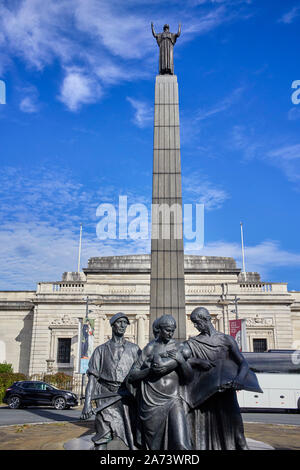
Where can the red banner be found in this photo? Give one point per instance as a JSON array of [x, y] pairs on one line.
[[235, 330]]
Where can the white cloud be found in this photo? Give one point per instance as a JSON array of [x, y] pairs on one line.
[[38, 251], [294, 113], [78, 89], [111, 73], [32, 252], [122, 32], [28, 105], [288, 153], [199, 189], [247, 141], [262, 258], [202, 24], [222, 106], [252, 145], [106, 40], [287, 158], [36, 30], [41, 212], [143, 112], [290, 16]]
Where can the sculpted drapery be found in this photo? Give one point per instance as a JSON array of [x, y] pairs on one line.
[[217, 423], [159, 375], [170, 395], [166, 41], [109, 365], [116, 413], [215, 419]]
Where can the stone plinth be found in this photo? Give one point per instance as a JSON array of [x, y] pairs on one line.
[[85, 443]]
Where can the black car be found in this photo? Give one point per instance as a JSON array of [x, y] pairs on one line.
[[26, 393]]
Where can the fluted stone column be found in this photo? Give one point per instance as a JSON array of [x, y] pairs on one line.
[[167, 295], [140, 339], [102, 322]]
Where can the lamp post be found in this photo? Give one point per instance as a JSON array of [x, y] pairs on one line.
[[222, 301], [236, 299], [87, 311], [243, 250]]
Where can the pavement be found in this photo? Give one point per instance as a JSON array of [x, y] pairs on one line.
[[53, 436]]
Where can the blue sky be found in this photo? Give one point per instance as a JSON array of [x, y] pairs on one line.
[[76, 129]]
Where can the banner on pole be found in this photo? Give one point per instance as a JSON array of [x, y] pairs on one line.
[[237, 329], [86, 343]]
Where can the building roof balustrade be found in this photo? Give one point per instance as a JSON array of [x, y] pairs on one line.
[[60, 287], [258, 287]]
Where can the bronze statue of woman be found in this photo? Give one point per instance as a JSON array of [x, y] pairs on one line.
[[166, 41]]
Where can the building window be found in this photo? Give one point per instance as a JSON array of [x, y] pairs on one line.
[[64, 350], [259, 345]]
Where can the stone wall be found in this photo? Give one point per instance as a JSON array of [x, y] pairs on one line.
[[16, 322]]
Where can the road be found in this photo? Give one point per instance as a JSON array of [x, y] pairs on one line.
[[35, 414], [49, 415], [272, 418]]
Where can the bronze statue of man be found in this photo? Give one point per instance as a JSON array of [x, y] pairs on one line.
[[217, 423], [166, 41], [107, 371]]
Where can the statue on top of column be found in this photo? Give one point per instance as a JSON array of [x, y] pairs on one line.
[[166, 41]]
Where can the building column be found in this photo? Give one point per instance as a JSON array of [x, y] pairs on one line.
[[102, 320], [33, 341], [141, 330]]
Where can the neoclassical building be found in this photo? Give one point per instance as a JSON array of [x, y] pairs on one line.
[[39, 329]]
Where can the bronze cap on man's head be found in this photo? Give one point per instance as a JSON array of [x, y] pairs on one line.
[[117, 316]]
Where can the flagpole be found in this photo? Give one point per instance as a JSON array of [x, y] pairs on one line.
[[243, 252], [79, 249]]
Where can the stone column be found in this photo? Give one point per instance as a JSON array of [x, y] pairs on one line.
[[102, 320], [140, 339], [167, 295]]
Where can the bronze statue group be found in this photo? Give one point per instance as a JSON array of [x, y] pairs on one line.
[[171, 395]]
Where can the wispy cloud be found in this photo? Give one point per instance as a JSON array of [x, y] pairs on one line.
[[43, 194], [252, 145], [220, 107], [143, 112], [262, 258], [29, 99], [32, 252], [198, 188], [294, 113], [288, 159], [247, 141], [207, 22], [28, 105], [105, 40], [40, 214], [290, 16]]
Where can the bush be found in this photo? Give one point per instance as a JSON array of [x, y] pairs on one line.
[[60, 380], [7, 379], [4, 367]]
